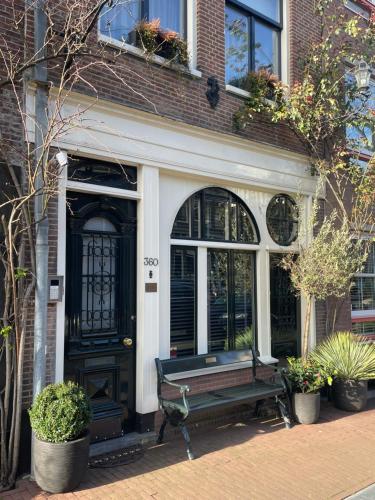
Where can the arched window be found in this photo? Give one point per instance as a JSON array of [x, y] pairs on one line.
[[215, 214]]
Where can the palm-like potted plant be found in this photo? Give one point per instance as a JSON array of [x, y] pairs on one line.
[[306, 379], [350, 360], [59, 418]]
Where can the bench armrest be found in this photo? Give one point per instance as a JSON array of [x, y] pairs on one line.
[[280, 373], [182, 387]]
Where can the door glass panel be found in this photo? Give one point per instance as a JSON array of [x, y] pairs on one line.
[[218, 301], [99, 283], [183, 301], [284, 311], [230, 300], [243, 299]]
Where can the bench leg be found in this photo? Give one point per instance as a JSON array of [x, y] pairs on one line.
[[185, 433], [285, 413], [258, 404], [161, 431]]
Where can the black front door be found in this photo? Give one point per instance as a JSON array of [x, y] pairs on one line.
[[100, 308], [285, 311]]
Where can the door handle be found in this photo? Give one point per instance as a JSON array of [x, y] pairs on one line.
[[127, 342]]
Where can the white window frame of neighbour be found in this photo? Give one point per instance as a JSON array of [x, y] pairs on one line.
[[191, 39], [365, 314], [284, 54], [357, 9]]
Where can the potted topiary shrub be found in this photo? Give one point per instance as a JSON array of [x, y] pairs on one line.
[[306, 380], [350, 360], [59, 418]]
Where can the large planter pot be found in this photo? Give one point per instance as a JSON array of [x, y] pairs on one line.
[[350, 395], [60, 467], [306, 407]]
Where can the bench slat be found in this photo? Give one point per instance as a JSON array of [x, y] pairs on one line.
[[201, 361], [229, 395]]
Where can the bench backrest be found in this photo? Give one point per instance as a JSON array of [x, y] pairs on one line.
[[167, 367]]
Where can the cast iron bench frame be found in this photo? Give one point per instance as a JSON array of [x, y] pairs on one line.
[[177, 411]]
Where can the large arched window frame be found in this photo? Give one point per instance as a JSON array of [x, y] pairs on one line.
[[212, 287], [215, 214]]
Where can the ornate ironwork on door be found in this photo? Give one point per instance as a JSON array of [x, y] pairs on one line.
[[100, 254]]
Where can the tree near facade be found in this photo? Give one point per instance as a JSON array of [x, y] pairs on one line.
[[51, 47], [335, 121]]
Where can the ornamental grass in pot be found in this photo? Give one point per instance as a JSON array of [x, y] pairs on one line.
[[306, 379], [59, 418], [350, 360]]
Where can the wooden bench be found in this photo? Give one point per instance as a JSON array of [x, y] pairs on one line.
[[177, 411]]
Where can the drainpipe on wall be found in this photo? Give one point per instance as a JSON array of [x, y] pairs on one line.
[[41, 244]]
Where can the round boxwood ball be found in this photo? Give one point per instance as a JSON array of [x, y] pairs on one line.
[[60, 413]]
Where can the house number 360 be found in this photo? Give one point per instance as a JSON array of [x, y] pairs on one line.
[[151, 261]]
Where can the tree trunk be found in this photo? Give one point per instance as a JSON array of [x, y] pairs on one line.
[[306, 329]]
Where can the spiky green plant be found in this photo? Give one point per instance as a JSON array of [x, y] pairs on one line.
[[244, 340], [346, 356]]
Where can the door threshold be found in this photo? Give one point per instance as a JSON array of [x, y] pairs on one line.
[[131, 439]]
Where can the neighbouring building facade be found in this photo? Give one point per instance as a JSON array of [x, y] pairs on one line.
[[169, 226]]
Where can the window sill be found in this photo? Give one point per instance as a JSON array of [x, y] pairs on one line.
[[268, 360], [362, 315], [137, 52], [244, 93]]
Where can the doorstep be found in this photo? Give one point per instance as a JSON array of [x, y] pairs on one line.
[[126, 441]]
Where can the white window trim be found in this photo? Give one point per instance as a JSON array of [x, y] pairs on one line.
[[357, 9], [161, 61], [364, 313]]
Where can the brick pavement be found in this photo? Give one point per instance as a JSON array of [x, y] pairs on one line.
[[244, 460]]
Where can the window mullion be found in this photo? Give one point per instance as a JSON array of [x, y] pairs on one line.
[[251, 43]]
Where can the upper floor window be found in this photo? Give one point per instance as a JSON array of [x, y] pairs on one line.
[[361, 135], [119, 22], [363, 291], [215, 214], [252, 38]]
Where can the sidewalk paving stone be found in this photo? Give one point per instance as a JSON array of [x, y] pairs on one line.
[[259, 459]]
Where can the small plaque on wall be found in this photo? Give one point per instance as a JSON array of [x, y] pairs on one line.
[[151, 287]]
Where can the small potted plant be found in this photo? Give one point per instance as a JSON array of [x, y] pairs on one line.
[[350, 360], [59, 418], [306, 379]]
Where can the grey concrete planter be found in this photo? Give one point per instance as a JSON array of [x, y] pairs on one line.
[[306, 407], [350, 395], [60, 467]]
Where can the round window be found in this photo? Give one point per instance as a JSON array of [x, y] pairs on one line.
[[282, 219]]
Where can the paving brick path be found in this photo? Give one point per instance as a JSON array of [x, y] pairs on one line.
[[257, 460]]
